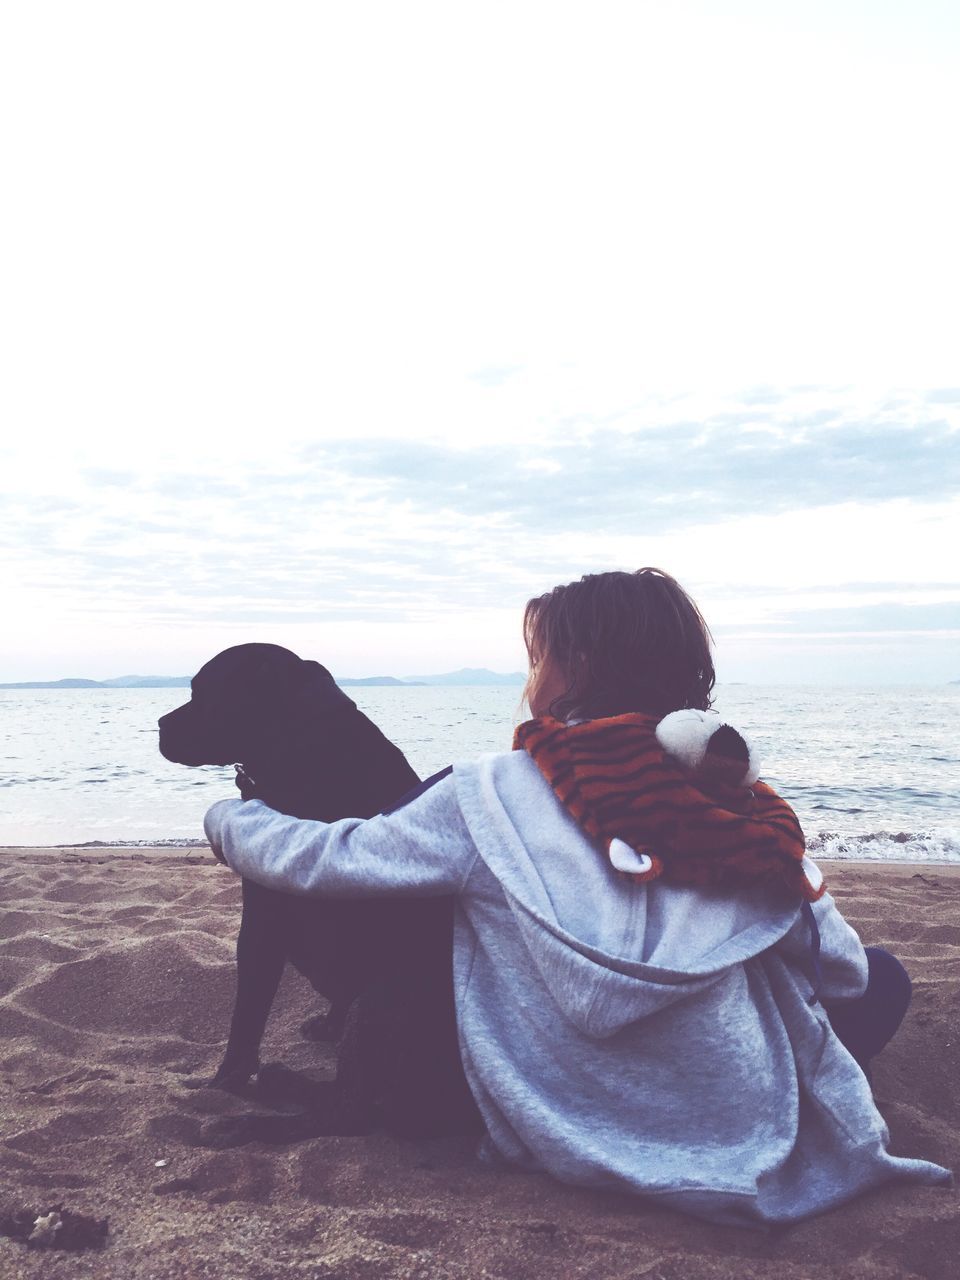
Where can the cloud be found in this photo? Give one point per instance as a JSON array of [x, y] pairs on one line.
[[820, 589], [879, 618], [495, 376], [763, 396], [664, 476], [752, 502]]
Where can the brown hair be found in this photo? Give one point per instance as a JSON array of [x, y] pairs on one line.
[[625, 642]]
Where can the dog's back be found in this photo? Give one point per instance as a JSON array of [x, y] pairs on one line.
[[330, 766]]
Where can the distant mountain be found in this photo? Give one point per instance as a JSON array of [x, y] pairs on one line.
[[465, 676], [350, 682], [54, 684], [469, 675], [147, 682], [119, 682]]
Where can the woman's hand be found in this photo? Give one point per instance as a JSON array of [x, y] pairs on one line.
[[213, 826]]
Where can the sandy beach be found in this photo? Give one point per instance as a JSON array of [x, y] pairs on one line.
[[116, 984]]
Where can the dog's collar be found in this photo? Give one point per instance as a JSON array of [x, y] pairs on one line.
[[245, 783]]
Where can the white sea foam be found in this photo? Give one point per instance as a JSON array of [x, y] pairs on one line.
[[186, 843], [874, 846], [887, 846]]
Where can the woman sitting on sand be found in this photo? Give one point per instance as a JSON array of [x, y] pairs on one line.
[[638, 981]]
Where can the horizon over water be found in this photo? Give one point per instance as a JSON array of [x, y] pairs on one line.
[[871, 772]]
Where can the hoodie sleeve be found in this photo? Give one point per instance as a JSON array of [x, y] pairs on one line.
[[843, 961], [423, 848]]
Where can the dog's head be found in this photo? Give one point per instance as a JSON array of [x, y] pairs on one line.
[[239, 699]]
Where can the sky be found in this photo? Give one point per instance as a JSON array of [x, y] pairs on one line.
[[351, 327]]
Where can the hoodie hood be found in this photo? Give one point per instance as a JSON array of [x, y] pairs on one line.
[[668, 943]]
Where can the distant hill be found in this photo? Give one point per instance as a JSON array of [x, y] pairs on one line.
[[147, 682], [119, 682], [55, 684], [350, 682], [469, 675], [465, 676]]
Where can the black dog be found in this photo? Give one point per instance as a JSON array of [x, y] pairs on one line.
[[302, 746]]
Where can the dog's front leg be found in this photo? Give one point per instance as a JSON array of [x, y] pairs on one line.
[[261, 957]]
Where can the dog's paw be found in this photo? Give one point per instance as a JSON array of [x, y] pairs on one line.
[[279, 1086], [334, 1114], [237, 1081], [226, 1132], [196, 1082], [234, 1079]]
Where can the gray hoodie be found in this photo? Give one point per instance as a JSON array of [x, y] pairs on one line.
[[646, 1038]]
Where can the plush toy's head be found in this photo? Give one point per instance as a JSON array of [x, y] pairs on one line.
[[710, 749]]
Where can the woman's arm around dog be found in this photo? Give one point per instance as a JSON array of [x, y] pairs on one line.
[[421, 848]]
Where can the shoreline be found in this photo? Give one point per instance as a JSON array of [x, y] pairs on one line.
[[154, 849]]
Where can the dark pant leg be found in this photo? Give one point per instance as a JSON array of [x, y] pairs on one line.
[[400, 1053], [866, 1024]]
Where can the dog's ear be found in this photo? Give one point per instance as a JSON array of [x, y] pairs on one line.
[[271, 674], [256, 684], [320, 691]]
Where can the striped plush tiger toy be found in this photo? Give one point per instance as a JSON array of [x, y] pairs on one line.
[[679, 799]]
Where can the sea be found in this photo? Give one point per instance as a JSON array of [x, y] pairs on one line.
[[873, 773]]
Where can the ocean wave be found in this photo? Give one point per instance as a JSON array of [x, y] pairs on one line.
[[872, 846], [887, 846], [173, 843]]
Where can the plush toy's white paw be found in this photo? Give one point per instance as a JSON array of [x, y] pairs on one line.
[[686, 734], [626, 859]]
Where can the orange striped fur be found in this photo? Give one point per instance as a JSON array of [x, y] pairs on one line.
[[616, 781]]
